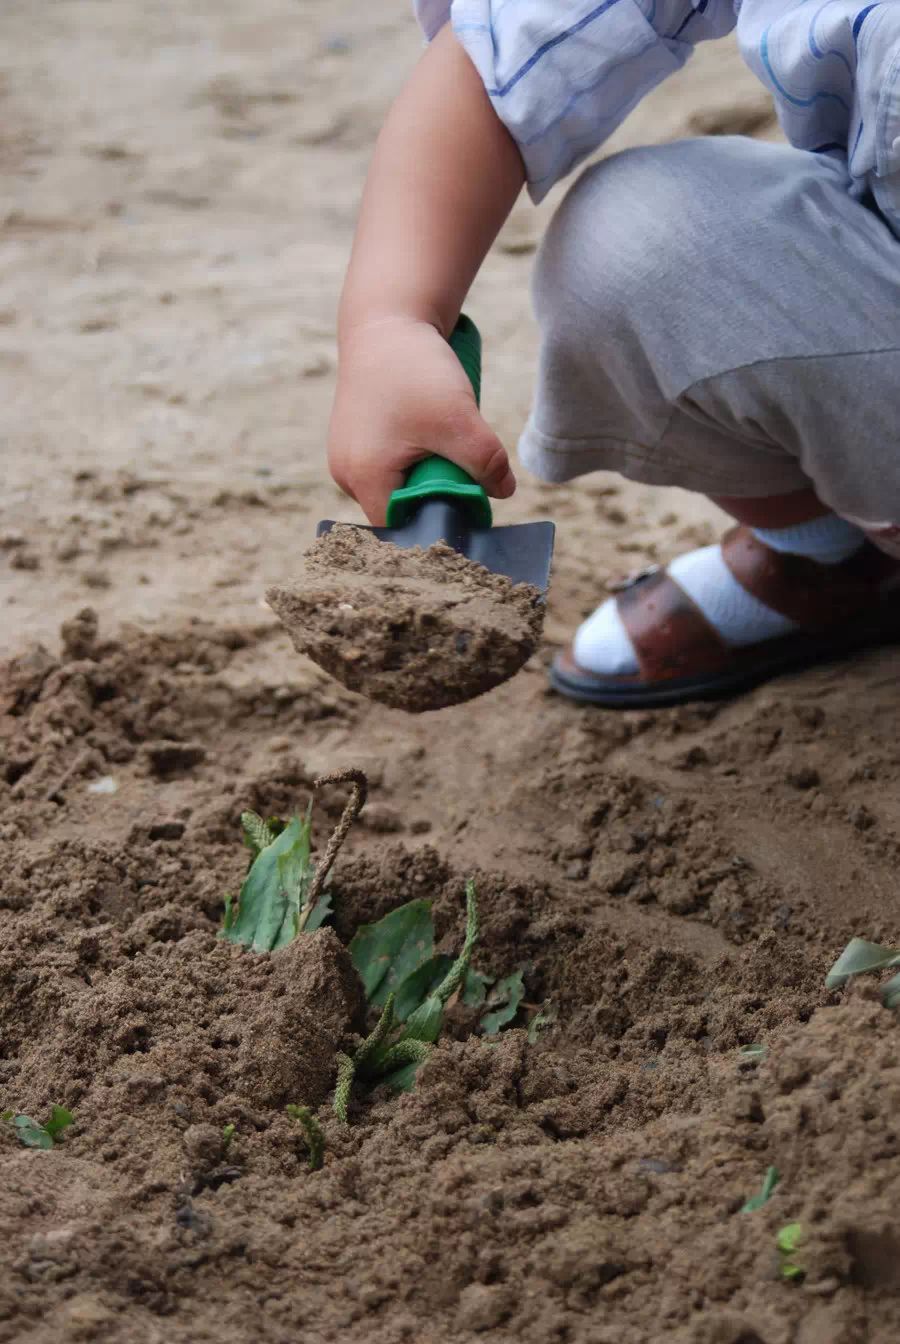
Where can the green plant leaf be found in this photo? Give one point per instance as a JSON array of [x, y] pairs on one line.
[[387, 952], [322, 910], [404, 1078], [503, 1002], [788, 1240], [424, 980], [426, 1022], [789, 1237], [754, 1051], [475, 988], [227, 1136], [60, 1119], [770, 1180], [268, 908], [31, 1134], [858, 957], [228, 917]]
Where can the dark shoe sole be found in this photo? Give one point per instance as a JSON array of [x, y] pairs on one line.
[[795, 653]]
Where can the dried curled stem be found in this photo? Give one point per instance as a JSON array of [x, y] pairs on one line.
[[359, 790]]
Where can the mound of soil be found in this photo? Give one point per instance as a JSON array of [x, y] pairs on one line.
[[413, 629], [586, 1186]]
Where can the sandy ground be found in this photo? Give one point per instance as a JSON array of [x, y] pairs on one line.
[[180, 184], [179, 188]]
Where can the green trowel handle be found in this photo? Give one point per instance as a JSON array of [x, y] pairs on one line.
[[435, 477]]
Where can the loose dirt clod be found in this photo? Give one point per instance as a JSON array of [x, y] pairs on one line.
[[413, 629]]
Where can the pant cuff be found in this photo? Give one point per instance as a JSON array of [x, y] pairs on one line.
[[738, 471]]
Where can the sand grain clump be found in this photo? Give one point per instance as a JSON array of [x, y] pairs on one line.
[[414, 629]]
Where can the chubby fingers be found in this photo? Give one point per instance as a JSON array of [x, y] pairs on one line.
[[470, 442], [463, 438]]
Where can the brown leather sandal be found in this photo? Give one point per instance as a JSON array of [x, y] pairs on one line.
[[681, 657]]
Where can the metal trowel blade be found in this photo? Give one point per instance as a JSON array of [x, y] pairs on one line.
[[521, 551]]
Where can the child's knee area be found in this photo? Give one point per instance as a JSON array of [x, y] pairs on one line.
[[629, 226]]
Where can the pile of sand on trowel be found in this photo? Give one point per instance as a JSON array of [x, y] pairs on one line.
[[414, 629]]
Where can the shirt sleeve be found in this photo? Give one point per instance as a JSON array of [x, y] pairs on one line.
[[873, 145], [562, 77]]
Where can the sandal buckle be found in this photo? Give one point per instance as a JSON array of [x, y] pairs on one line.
[[632, 580]]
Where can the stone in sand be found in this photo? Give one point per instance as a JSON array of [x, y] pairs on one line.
[[414, 629]]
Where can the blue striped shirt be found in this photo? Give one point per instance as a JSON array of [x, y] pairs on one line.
[[563, 74]]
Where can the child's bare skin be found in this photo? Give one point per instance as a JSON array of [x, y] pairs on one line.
[[445, 175]]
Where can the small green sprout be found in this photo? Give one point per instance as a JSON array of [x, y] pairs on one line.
[[788, 1240], [756, 1051], [770, 1180], [33, 1135], [312, 1133], [502, 1000], [227, 1136]]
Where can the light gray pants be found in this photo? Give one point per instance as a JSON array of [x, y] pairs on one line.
[[722, 315]]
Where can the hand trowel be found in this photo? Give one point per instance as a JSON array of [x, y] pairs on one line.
[[440, 502]]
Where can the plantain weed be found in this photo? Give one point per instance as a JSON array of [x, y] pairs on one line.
[[282, 894], [33, 1135], [395, 961]]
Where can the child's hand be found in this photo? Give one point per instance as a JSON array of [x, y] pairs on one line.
[[401, 395]]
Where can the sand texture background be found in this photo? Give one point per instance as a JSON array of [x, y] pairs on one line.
[[179, 187]]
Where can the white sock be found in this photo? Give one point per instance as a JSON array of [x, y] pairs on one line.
[[602, 645]]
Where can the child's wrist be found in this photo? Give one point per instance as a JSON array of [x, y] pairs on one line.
[[360, 326]]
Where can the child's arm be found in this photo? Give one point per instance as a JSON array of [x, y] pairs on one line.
[[444, 177]]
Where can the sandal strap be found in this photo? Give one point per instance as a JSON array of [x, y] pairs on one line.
[[669, 633], [814, 596]]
